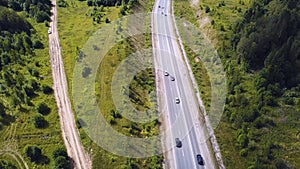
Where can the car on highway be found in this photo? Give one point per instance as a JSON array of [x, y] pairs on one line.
[[178, 142], [49, 31], [177, 101], [172, 78], [159, 6], [165, 14], [166, 73], [200, 159]]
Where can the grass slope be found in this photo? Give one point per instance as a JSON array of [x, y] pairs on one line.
[[75, 27]]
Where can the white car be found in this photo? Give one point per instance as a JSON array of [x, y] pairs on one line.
[[177, 101], [166, 73], [49, 31]]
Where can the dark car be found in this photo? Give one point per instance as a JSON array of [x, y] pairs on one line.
[[200, 159], [178, 143]]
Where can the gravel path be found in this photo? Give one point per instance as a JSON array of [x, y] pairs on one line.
[[81, 159]]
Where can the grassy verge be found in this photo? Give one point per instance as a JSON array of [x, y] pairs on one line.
[[21, 131], [220, 21], [183, 11], [75, 27], [244, 142]]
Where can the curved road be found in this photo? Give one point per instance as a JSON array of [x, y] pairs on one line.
[[70, 134]]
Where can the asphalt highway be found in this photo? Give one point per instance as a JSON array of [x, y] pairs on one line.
[[183, 119]]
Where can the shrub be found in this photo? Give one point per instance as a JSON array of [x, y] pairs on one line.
[[86, 72], [61, 159], [47, 89], [62, 162], [244, 152], [43, 109], [6, 165], [207, 9], [39, 121], [34, 153], [59, 152]]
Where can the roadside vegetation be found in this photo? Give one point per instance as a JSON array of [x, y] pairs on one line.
[[77, 21], [29, 123], [258, 42]]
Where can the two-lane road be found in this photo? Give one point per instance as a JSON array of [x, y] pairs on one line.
[[183, 119]]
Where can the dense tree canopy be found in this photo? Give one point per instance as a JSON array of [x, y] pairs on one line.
[[39, 9], [19, 83], [262, 60], [10, 21], [268, 38]]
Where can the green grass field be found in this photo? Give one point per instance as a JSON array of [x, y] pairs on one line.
[[75, 26]]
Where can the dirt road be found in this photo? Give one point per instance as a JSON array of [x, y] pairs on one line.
[[81, 159]]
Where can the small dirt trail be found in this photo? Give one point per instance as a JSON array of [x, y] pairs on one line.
[[81, 160]]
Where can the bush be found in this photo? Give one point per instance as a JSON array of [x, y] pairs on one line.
[[107, 20], [86, 72], [37, 44], [39, 121], [47, 89], [59, 152], [6, 165], [43, 109], [244, 152], [62, 162], [243, 140], [42, 16], [34, 153], [62, 3], [90, 3], [207, 9], [61, 159]]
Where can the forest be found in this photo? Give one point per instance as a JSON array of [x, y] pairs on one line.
[[17, 44], [262, 60], [258, 43], [26, 94], [38, 9]]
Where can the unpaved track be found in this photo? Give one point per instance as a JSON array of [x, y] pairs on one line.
[[81, 159]]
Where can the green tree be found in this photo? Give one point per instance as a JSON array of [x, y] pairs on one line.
[[34, 153], [43, 108], [90, 2], [86, 72], [59, 152], [42, 16], [39, 121], [62, 162], [47, 89], [6, 165], [2, 109]]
